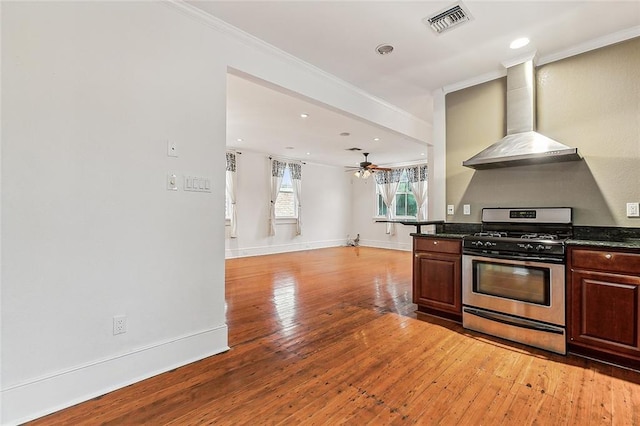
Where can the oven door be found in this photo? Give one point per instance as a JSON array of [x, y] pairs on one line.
[[528, 289]]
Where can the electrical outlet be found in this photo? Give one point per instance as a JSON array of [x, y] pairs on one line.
[[119, 324], [466, 209], [450, 209], [172, 181], [633, 209]]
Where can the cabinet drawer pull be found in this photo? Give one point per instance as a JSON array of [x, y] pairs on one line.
[[607, 256]]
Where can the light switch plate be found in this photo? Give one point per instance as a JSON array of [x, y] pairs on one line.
[[633, 209], [450, 209], [466, 209]]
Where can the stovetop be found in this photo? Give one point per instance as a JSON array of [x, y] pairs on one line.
[[522, 232]]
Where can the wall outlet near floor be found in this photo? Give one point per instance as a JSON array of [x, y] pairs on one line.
[[450, 209], [633, 209], [119, 324]]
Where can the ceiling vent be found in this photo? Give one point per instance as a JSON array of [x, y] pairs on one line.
[[448, 18]]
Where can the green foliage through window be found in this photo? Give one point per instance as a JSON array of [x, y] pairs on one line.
[[405, 203]]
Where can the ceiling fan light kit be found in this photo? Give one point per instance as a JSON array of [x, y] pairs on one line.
[[366, 168]]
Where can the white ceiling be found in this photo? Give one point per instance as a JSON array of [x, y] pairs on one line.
[[340, 37]]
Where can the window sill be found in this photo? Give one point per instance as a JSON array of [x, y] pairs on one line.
[[286, 220]]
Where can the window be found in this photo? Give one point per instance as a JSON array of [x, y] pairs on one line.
[[405, 203], [286, 206]]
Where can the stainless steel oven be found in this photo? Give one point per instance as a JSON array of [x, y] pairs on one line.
[[513, 281]]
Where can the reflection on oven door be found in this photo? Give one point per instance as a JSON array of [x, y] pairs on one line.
[[517, 329]]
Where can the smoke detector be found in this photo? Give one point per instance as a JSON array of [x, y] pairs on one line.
[[448, 18]]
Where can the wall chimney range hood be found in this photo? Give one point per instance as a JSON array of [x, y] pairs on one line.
[[522, 145]]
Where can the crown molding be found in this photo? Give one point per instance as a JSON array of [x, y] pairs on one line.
[[254, 42], [597, 43]]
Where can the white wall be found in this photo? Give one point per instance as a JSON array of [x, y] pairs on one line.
[[374, 234], [335, 205], [91, 92], [326, 208]]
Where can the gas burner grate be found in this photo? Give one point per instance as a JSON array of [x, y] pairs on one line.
[[539, 236], [490, 234]]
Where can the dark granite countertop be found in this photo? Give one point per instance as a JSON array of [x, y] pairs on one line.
[[631, 243], [452, 236], [591, 236]]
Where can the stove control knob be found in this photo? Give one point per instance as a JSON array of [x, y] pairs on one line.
[[540, 247], [528, 247], [488, 244]]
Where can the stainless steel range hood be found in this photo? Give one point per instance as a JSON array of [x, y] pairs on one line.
[[522, 145]]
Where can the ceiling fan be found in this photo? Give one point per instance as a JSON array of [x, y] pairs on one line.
[[366, 168]]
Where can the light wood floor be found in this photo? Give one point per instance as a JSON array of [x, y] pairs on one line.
[[329, 337]]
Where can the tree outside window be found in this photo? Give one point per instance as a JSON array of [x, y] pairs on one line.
[[404, 203]]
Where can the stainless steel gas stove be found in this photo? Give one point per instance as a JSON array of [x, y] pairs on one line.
[[513, 275]]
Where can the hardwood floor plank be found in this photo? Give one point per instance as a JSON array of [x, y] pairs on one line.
[[326, 337]]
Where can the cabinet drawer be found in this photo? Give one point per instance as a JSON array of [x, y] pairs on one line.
[[439, 245], [605, 260]]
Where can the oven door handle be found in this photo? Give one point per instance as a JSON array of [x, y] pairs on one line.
[[528, 258], [516, 322]]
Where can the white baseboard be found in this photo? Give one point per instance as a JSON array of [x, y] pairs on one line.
[[281, 248], [36, 398], [391, 245]]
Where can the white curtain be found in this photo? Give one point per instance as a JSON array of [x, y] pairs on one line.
[[231, 193], [388, 182], [277, 172], [417, 176], [296, 180]]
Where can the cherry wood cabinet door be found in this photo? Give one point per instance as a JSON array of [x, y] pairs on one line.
[[605, 302], [437, 281]]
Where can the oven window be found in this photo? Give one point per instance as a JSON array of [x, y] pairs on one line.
[[517, 282]]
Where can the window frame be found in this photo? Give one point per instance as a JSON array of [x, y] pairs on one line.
[[287, 189], [379, 205]]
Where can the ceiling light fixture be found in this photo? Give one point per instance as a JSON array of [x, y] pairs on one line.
[[239, 140], [376, 139], [384, 49], [362, 173], [519, 42], [304, 115]]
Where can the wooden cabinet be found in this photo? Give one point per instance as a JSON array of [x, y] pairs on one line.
[[604, 304], [437, 284]]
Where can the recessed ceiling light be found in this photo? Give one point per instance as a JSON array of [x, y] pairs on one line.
[[376, 139], [239, 140], [304, 115], [345, 134], [384, 49], [308, 153], [519, 42], [422, 153]]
